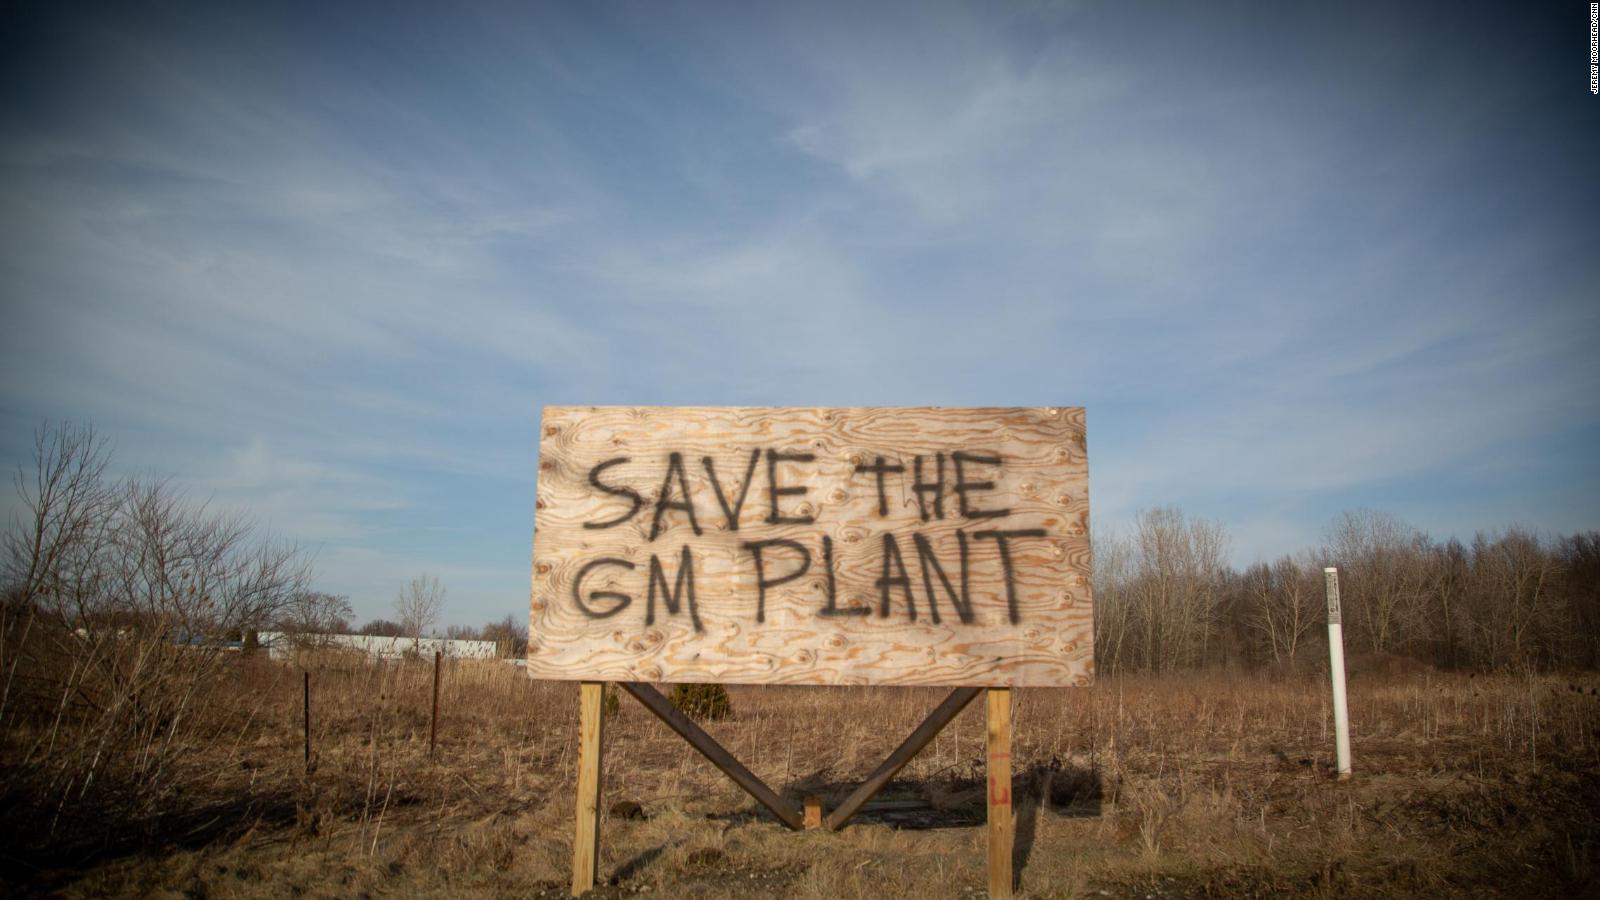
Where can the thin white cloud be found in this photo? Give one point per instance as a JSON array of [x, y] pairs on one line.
[[325, 285]]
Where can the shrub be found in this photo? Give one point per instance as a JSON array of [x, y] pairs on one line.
[[126, 591], [701, 701]]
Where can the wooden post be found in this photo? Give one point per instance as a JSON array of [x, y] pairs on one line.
[[307, 706], [813, 807], [586, 843], [433, 724], [1000, 822]]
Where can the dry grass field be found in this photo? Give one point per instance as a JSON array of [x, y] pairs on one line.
[[1186, 787]]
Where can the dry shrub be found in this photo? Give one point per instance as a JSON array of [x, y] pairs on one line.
[[705, 702], [121, 594]]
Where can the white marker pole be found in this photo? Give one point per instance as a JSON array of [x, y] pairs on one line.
[[1341, 706]]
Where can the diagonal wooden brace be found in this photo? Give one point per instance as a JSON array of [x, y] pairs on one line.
[[710, 749], [930, 728]]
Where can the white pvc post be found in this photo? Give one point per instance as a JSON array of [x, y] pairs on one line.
[[1341, 706]]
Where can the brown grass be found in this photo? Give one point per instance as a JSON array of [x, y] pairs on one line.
[[1199, 786]]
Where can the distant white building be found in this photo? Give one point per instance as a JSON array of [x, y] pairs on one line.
[[282, 646]]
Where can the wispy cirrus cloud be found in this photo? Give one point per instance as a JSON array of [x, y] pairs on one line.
[[328, 271]]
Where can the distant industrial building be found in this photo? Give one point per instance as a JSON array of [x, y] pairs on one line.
[[281, 645]]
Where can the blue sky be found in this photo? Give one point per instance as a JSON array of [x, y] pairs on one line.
[[326, 262]]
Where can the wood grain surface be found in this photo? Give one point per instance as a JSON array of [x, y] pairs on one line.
[[591, 748], [1002, 813], [813, 546]]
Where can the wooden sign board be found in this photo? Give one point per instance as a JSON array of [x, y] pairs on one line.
[[882, 546]]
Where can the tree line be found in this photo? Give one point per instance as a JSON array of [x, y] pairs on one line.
[[1166, 600], [109, 573], [102, 564]]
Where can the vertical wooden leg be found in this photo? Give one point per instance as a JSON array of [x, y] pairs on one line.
[[586, 843], [1001, 825]]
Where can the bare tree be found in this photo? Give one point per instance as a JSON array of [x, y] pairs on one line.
[[68, 508], [1516, 609], [383, 628], [312, 614], [1177, 569], [1384, 575], [195, 573], [510, 639], [132, 587], [1113, 605], [1580, 558], [1448, 579], [419, 604], [1284, 604], [1158, 593]]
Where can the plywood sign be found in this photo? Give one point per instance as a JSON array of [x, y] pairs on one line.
[[905, 546]]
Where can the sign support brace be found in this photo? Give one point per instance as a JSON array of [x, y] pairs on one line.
[[586, 843]]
